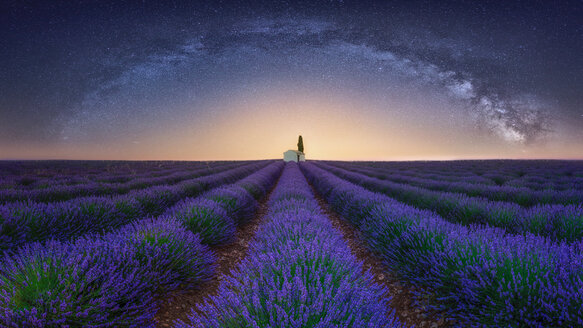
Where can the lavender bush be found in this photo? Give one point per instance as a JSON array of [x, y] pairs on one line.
[[205, 217], [237, 201], [107, 281]]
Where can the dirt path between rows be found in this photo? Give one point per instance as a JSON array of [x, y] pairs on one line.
[[401, 296], [179, 305]]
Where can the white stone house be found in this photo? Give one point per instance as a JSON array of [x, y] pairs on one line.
[[294, 155]]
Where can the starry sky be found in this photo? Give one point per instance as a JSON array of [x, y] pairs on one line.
[[360, 80]]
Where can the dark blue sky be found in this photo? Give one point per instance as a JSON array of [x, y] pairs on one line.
[[130, 80]]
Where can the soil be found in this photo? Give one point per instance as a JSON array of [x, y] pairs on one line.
[[178, 305], [401, 295]]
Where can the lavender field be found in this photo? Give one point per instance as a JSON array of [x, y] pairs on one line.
[[272, 244]]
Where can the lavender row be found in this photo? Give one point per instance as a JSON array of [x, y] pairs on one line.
[[567, 176], [542, 183], [536, 175], [416, 172], [558, 222], [101, 281], [30, 180], [553, 177], [61, 193], [522, 196], [216, 214], [517, 168], [25, 222], [23, 174], [299, 273], [479, 276], [90, 168]]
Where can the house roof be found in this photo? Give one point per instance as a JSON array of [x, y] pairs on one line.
[[296, 151]]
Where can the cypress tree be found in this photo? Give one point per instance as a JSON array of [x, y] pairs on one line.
[[301, 144]]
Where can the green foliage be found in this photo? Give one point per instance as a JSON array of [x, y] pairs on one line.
[[211, 223], [128, 207], [31, 286], [254, 189], [227, 202]]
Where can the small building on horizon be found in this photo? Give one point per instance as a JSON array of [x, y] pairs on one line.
[[294, 155]]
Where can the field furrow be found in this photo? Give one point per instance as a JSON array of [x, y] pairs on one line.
[[299, 273]]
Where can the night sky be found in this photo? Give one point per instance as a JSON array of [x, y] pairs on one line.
[[359, 80]]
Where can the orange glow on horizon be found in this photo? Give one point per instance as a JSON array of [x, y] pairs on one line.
[[333, 128]]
